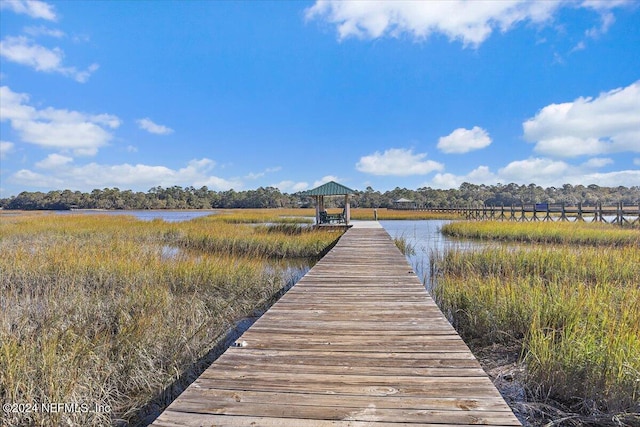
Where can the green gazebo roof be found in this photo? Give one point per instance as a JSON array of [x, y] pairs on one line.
[[331, 188]]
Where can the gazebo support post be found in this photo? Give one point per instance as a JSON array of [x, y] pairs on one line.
[[317, 210], [347, 209]]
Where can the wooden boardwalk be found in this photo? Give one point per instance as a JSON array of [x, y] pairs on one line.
[[356, 342]]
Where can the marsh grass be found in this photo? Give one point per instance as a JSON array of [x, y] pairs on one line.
[[574, 310], [405, 246], [392, 214], [93, 312], [307, 215], [545, 232], [262, 216], [278, 240]]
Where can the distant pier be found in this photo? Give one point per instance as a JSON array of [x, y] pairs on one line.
[[618, 214]]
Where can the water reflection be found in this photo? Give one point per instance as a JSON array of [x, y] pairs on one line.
[[169, 252], [426, 238], [146, 215]]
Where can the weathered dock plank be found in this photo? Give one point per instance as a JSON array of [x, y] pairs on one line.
[[358, 341]]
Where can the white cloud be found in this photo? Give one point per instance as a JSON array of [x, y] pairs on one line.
[[397, 162], [288, 186], [469, 21], [22, 50], [604, 5], [480, 175], [6, 147], [636, 161], [32, 8], [58, 129], [27, 177], [62, 172], [54, 161], [326, 179], [533, 170], [628, 178], [544, 172], [607, 124], [597, 162], [151, 127], [464, 140]]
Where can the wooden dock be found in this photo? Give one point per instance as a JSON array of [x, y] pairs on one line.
[[618, 214], [356, 342]]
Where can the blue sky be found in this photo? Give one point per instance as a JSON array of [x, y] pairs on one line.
[[136, 94]]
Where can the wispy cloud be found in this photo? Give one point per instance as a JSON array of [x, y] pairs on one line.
[[24, 51], [151, 127], [607, 21], [53, 128], [44, 31], [6, 147], [397, 162], [258, 175], [33, 8]]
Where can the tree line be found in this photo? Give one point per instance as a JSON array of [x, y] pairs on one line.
[[177, 197]]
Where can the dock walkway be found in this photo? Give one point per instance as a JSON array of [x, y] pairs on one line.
[[356, 342]]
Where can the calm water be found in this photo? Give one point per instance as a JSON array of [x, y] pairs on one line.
[[425, 237], [147, 215]]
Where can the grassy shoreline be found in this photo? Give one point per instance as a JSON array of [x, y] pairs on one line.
[[545, 232], [96, 310], [571, 310]]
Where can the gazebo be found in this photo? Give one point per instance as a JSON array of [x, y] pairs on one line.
[[331, 188], [403, 203]]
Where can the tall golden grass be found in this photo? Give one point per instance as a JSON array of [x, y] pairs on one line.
[[545, 232], [109, 310], [255, 216], [308, 215], [575, 310], [391, 214]]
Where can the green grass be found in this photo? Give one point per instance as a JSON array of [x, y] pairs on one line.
[[93, 309], [574, 310]]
